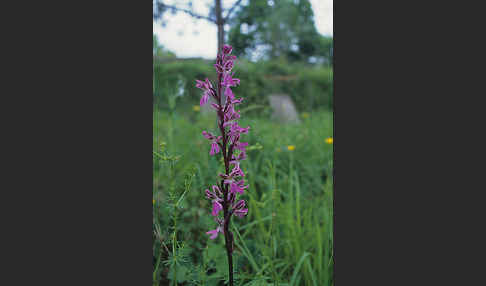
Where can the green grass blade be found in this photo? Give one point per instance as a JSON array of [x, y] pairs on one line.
[[297, 268], [313, 275], [255, 222], [246, 252]]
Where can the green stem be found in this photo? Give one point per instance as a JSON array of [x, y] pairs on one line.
[[174, 239]]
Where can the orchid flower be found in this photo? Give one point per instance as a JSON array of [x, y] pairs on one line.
[[223, 196]]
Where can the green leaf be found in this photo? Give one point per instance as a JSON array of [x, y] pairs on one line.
[[296, 270], [182, 273]]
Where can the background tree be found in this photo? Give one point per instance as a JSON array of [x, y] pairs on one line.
[[217, 15], [273, 29], [325, 48]]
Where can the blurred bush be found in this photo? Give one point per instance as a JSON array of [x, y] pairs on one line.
[[310, 86]]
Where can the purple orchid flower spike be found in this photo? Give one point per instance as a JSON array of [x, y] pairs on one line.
[[227, 142]]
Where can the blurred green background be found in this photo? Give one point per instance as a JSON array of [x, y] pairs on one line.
[[287, 236]]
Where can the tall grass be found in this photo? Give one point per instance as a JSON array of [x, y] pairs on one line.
[[286, 239]]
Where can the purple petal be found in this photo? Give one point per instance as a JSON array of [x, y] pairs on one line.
[[208, 135], [238, 187], [241, 213], [234, 82], [204, 99], [241, 146], [227, 123], [228, 65], [242, 156], [224, 176], [216, 208], [229, 93], [231, 197], [200, 84], [214, 148], [216, 106], [213, 233], [240, 204], [234, 188], [208, 84], [227, 49], [210, 195], [237, 101], [219, 68], [217, 190]]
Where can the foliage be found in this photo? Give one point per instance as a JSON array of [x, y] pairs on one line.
[[310, 86], [287, 238], [262, 29], [274, 29]]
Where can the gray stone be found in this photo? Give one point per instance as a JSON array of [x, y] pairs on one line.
[[284, 110]]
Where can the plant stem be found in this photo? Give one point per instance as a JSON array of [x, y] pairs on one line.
[[228, 237], [174, 239]]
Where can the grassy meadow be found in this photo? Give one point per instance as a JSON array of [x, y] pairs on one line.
[[286, 238]]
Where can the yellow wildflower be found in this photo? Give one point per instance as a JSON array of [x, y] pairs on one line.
[[291, 147], [329, 140], [196, 108], [305, 115], [153, 201]]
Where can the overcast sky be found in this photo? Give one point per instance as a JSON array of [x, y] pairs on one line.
[[187, 37]]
